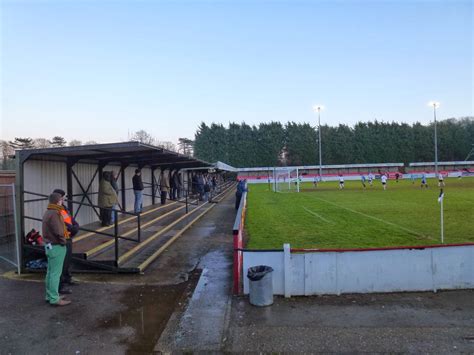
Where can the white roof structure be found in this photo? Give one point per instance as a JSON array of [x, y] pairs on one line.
[[443, 163]]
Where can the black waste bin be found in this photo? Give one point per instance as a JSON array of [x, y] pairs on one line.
[[260, 285]]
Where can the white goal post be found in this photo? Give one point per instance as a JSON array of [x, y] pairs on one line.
[[286, 180]]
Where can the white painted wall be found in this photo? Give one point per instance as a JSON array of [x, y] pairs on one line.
[[367, 271], [41, 177], [146, 178], [85, 172], [44, 176]]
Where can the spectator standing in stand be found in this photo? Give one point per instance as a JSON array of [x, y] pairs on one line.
[[106, 199], [138, 190], [200, 186], [164, 185]]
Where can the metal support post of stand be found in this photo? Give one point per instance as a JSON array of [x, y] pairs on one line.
[[116, 237], [186, 195], [139, 228]]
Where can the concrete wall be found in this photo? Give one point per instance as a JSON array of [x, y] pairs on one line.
[[393, 270]]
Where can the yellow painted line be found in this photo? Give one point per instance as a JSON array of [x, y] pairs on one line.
[[157, 234], [33, 277], [150, 259], [110, 242], [83, 279], [89, 234], [126, 234]]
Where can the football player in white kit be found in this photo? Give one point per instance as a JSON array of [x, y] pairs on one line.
[[441, 180], [370, 178], [383, 178], [341, 182]]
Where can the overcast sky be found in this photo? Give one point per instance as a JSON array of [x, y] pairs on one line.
[[96, 70]]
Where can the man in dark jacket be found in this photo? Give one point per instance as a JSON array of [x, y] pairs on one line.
[[176, 185], [200, 186], [72, 229], [241, 188], [138, 190], [54, 235]]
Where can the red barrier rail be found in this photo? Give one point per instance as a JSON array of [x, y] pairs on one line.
[[238, 236]]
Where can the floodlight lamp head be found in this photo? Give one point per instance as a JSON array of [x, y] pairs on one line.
[[317, 108], [434, 104]]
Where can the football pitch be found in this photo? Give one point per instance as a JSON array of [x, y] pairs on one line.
[[326, 217]]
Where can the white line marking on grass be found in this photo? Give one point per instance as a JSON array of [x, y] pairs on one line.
[[317, 215], [376, 219]]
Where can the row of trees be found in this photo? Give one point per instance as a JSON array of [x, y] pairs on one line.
[[274, 144], [7, 148]]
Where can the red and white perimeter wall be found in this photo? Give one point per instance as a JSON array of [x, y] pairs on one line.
[[356, 171]]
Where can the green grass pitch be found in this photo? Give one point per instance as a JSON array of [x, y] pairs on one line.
[[326, 217]]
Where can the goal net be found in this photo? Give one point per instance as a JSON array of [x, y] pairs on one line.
[[286, 180]]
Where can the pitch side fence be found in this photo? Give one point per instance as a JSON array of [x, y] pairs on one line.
[[304, 272]]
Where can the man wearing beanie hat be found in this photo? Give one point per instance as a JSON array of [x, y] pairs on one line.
[[54, 235]]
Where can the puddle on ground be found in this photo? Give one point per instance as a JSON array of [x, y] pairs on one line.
[[203, 231], [148, 309]]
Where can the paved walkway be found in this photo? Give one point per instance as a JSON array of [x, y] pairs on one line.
[[404, 322], [202, 326]]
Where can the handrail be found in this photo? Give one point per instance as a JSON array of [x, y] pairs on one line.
[[86, 229], [238, 217], [115, 235], [79, 203]]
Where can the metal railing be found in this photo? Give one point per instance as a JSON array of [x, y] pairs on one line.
[[114, 235]]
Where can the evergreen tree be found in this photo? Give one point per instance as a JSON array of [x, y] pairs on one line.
[[272, 144], [202, 142], [21, 143], [271, 140], [58, 141], [300, 144]]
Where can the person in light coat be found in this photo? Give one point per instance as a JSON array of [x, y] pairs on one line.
[[107, 199]]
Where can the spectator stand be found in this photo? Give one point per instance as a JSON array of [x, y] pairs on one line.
[[127, 245]]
